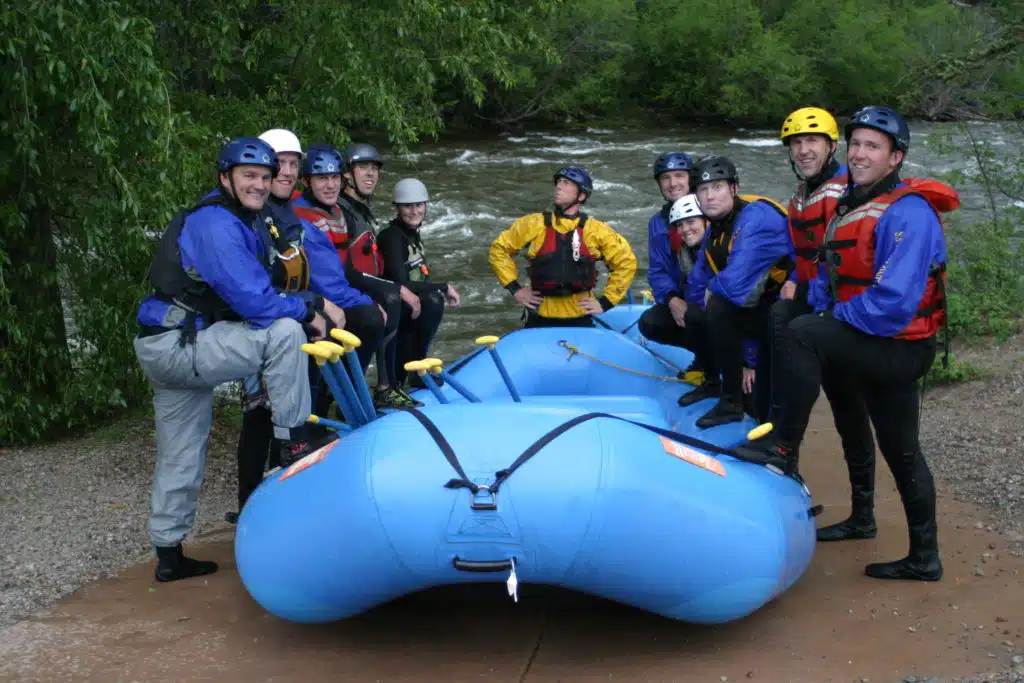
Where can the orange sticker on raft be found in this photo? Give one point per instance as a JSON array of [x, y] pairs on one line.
[[310, 460], [692, 456]]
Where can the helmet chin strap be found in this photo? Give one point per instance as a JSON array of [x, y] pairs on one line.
[[364, 198], [817, 176]]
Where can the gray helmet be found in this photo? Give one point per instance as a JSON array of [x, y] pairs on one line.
[[355, 154], [411, 191]]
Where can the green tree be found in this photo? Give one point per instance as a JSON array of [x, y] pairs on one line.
[[85, 132]]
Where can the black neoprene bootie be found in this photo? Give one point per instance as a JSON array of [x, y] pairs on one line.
[[172, 565], [852, 528], [724, 412], [913, 567], [922, 563], [709, 389]]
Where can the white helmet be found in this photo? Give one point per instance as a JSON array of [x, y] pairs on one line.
[[410, 191], [683, 208], [282, 141]]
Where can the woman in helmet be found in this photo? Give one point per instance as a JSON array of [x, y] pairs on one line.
[[563, 248], [401, 247]]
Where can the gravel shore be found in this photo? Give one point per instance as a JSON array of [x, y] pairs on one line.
[[76, 511]]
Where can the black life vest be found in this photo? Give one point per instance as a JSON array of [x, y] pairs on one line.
[[416, 262], [171, 282], [563, 265]]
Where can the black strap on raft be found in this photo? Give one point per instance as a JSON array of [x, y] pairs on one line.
[[446, 449], [501, 475]]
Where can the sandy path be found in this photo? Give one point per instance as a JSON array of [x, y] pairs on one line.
[[834, 625]]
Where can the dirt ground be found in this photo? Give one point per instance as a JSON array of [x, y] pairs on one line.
[[835, 624]]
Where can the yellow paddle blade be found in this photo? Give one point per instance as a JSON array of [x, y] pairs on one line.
[[335, 350], [489, 339], [346, 338], [432, 363], [313, 419], [759, 431]]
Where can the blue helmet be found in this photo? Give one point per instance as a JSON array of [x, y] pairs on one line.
[[322, 160], [672, 161], [883, 119], [578, 176], [247, 151]]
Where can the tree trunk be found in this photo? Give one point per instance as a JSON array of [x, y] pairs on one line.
[[32, 278]]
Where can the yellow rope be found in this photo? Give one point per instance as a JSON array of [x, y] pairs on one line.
[[574, 351]]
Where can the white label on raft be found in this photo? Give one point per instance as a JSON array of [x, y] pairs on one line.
[[692, 456], [512, 583], [310, 460]]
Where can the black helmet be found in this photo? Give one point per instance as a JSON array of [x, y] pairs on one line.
[[355, 154], [713, 168]]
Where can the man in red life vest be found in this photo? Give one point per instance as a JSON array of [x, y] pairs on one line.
[[879, 301], [811, 136]]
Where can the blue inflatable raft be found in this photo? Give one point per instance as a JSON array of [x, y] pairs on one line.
[[578, 484]]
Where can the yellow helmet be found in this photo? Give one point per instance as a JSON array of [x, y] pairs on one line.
[[809, 120]]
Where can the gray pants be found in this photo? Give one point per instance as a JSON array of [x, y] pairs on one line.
[[183, 383]]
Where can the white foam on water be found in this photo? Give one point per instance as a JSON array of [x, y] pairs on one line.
[[464, 157], [1019, 204], [455, 218], [533, 161], [600, 131], [600, 185], [570, 140], [756, 142], [517, 139], [573, 151]]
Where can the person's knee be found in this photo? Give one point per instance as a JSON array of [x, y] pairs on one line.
[[286, 332], [392, 302], [807, 328], [784, 311], [432, 304], [649, 324]]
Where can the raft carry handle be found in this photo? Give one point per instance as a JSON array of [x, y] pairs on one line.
[[481, 565]]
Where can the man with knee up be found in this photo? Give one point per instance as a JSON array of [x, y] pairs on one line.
[[743, 262], [213, 317], [811, 137], [879, 302]]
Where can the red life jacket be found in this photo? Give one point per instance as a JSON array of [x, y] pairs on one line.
[[364, 255], [563, 265], [808, 218], [331, 223], [850, 251]]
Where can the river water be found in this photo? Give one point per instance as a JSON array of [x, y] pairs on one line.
[[479, 186]]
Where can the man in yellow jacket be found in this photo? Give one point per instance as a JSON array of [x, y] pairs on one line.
[[563, 249]]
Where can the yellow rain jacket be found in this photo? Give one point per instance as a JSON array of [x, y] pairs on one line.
[[601, 240]]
